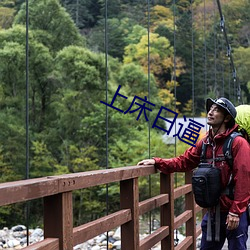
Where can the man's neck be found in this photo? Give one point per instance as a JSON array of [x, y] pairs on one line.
[[216, 130]]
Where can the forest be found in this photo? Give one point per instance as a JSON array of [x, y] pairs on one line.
[[59, 69]]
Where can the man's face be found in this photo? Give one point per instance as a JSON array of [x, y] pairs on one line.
[[215, 116]]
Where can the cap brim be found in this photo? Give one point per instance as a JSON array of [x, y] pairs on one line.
[[209, 103]]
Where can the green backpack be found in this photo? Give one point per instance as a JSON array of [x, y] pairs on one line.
[[243, 120]]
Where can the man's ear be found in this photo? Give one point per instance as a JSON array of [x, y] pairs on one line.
[[228, 118]]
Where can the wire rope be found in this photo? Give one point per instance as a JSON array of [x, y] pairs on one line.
[[77, 13], [27, 207], [215, 52], [174, 61], [205, 50], [175, 95], [205, 53], [107, 120], [192, 20], [236, 83], [222, 68], [149, 127]]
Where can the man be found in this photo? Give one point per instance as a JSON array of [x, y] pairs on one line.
[[221, 115]]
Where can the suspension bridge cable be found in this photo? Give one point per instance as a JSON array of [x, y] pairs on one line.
[[215, 53], [77, 13], [149, 127], [221, 65], [192, 28], [205, 51], [229, 83], [107, 120], [175, 94], [27, 207], [174, 61], [229, 53]]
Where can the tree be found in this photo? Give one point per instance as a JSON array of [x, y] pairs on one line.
[[78, 77], [40, 60], [53, 25], [136, 81], [242, 64], [161, 16], [117, 31], [161, 57], [42, 163], [6, 17], [84, 13]]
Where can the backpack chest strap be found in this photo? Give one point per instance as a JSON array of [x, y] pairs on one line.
[[217, 159]]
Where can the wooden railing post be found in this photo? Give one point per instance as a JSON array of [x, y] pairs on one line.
[[129, 198], [167, 210], [190, 205], [58, 219]]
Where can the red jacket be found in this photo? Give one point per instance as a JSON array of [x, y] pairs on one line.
[[241, 167]]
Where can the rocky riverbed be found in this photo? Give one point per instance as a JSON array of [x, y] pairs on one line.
[[16, 238]]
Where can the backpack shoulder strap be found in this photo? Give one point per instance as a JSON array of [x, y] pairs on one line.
[[227, 148], [203, 152]]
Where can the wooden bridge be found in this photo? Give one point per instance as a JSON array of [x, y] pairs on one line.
[[56, 192]]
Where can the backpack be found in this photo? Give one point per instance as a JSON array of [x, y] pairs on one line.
[[206, 185], [243, 120], [206, 179]]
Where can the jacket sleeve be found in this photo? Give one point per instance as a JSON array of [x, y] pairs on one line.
[[241, 175], [185, 162]]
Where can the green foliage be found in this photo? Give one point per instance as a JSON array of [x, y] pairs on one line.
[[242, 63], [81, 160], [136, 81], [84, 13], [118, 32], [161, 16], [160, 55], [12, 59], [42, 162], [12, 149], [53, 25], [80, 69], [6, 17]]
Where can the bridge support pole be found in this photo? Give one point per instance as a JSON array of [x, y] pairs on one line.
[[167, 210], [58, 219], [129, 198], [190, 205]]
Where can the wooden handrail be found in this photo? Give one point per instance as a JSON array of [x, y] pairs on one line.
[[58, 208]]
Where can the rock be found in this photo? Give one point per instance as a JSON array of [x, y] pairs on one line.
[[18, 234], [117, 234], [23, 240], [3, 233], [117, 245], [111, 233], [91, 242], [103, 243], [38, 232], [18, 228], [16, 238], [100, 238], [111, 239], [18, 247], [81, 246], [95, 248], [13, 243]]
